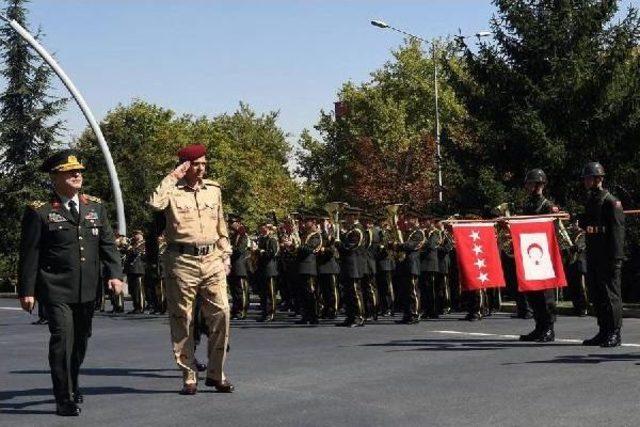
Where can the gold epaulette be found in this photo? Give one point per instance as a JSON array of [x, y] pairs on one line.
[[211, 182], [37, 204], [93, 198]]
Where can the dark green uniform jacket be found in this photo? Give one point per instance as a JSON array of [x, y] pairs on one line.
[[59, 257]]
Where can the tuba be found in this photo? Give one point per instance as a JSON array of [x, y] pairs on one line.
[[392, 215], [334, 209]]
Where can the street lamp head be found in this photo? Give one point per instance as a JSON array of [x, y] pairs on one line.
[[379, 24]]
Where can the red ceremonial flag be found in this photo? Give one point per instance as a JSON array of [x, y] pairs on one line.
[[478, 256], [537, 254]]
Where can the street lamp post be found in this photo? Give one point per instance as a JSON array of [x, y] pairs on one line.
[[434, 47]]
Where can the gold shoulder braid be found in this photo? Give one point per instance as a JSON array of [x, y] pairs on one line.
[[37, 204], [92, 198]]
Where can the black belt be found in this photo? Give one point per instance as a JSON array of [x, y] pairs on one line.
[[191, 249], [592, 229]]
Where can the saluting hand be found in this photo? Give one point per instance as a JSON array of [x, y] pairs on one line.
[[181, 170], [115, 286], [27, 303]]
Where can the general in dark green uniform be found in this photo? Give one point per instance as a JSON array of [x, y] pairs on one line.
[[64, 242]]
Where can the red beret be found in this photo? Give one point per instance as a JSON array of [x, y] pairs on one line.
[[192, 152]]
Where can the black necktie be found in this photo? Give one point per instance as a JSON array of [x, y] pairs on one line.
[[74, 210]]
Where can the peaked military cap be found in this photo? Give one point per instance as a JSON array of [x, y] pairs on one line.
[[62, 161]]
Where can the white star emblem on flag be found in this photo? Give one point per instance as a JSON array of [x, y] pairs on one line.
[[475, 235], [483, 277], [480, 263], [477, 249]]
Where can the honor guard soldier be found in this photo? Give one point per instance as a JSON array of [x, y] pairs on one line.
[[134, 267], [197, 260], [445, 247], [64, 242], [577, 270], [238, 276], [308, 271], [328, 271], [267, 269], [409, 268], [543, 303], [351, 240], [604, 226]]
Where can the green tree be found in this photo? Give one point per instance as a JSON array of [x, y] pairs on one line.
[[558, 88], [28, 131], [247, 154], [379, 146]]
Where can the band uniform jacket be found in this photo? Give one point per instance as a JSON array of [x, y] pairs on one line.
[[134, 262], [239, 254], [61, 257], [267, 260], [384, 255], [444, 253], [410, 265], [373, 237], [350, 258], [307, 254], [327, 259], [429, 261], [363, 250]]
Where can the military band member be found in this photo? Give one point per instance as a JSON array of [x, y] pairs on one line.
[[328, 272], [429, 270], [287, 279], [445, 247], [409, 268], [351, 241], [63, 244], [542, 302], [385, 269], [577, 270], [604, 226], [369, 251], [267, 269], [134, 267], [308, 271], [197, 260], [238, 276]]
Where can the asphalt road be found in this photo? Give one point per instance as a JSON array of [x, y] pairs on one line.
[[438, 373]]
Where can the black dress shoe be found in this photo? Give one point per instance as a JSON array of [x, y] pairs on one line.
[[78, 397], [200, 367], [67, 409], [301, 322], [612, 340], [189, 389], [221, 386], [531, 336], [547, 335], [346, 323], [596, 340]]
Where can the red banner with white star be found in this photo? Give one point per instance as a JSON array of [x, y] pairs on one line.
[[478, 256], [537, 254]]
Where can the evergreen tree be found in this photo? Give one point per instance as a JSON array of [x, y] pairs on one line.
[[28, 131], [558, 88]]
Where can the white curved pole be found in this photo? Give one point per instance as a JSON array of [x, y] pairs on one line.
[[113, 175]]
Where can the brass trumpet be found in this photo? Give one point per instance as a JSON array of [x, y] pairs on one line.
[[392, 215]]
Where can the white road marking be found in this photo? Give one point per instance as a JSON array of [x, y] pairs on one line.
[[482, 334], [11, 308]]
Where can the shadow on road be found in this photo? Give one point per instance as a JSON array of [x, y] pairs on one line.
[[460, 344], [112, 372], [591, 359], [18, 407]]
